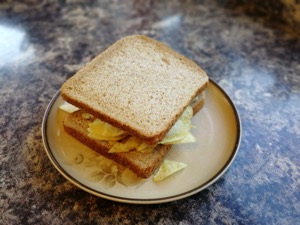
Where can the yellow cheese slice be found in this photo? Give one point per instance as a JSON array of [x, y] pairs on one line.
[[167, 169]]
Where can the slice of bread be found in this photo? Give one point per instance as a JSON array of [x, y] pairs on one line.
[[143, 164], [138, 85]]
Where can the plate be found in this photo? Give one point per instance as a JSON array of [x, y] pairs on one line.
[[217, 129]]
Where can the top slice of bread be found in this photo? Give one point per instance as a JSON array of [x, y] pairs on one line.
[[139, 85]]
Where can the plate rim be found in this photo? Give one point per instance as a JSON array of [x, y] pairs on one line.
[[182, 195]]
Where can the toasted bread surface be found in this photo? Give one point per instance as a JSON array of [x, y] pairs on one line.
[[139, 85]]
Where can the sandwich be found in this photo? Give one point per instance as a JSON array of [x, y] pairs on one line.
[[134, 101]]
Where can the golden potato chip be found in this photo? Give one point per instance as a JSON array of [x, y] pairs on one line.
[[167, 169]]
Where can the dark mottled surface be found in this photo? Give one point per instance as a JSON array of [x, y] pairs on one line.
[[252, 51]]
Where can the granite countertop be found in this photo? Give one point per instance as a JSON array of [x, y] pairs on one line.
[[251, 50]]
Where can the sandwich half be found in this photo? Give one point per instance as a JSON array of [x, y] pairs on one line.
[[138, 89]]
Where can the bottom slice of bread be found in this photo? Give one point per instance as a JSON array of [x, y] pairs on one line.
[[142, 164]]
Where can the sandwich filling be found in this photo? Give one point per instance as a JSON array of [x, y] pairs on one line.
[[122, 142]]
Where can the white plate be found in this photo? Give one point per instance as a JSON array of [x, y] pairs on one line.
[[218, 133]]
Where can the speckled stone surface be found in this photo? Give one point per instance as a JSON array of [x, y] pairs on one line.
[[253, 56]]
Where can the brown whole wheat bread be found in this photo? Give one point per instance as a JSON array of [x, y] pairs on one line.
[[138, 85], [142, 164]]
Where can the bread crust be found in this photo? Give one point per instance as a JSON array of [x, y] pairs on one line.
[[132, 116]]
